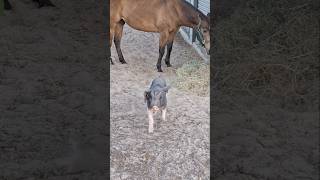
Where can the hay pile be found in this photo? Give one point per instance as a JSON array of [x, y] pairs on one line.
[[194, 77]]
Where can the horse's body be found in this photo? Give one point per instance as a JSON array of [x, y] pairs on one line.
[[161, 16], [41, 3]]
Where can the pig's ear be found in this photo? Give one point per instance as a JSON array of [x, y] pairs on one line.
[[166, 89], [146, 95]]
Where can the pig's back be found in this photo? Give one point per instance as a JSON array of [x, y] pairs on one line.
[[158, 83]]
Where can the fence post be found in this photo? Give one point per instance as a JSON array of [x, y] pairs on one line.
[[195, 4]]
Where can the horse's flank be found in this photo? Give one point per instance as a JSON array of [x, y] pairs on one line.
[[153, 15]]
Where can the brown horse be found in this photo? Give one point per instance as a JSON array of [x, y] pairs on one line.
[[41, 3], [162, 16]]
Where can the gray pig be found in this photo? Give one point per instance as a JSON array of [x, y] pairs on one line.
[[156, 98]]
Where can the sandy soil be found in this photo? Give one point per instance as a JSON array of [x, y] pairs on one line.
[[52, 78], [179, 147]]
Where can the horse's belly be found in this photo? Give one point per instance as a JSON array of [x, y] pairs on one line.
[[147, 15], [142, 25]]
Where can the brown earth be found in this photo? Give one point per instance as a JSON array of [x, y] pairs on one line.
[[52, 78], [179, 147]]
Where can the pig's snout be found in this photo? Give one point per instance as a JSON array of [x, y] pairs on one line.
[[155, 108]]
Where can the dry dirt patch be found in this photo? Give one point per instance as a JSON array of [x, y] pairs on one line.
[[179, 147]]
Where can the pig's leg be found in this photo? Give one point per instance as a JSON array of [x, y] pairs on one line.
[[150, 116], [164, 112]]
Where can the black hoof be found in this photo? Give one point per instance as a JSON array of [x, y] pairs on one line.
[[169, 65], [159, 68], [123, 62], [111, 61]]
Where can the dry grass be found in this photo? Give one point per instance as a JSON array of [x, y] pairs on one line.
[[269, 49], [194, 77]]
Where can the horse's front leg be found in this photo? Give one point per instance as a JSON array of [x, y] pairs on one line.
[[162, 45], [169, 47], [161, 52]]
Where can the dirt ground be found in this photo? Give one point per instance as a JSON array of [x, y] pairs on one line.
[[52, 120], [179, 147], [52, 78], [255, 140]]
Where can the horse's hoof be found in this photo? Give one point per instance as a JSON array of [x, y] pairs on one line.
[[169, 65], [159, 68], [123, 62], [111, 61]]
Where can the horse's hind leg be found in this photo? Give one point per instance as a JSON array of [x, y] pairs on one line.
[[117, 40], [7, 5], [110, 39], [169, 47], [162, 45], [111, 60]]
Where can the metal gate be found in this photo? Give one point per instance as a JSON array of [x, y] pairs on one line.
[[204, 6]]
